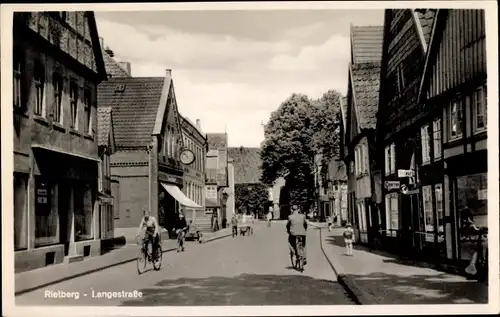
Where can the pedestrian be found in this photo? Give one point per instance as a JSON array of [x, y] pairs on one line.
[[269, 218], [329, 222], [234, 225], [348, 239]]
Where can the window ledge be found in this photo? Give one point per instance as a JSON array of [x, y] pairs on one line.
[[74, 132], [88, 137], [58, 126], [40, 120]]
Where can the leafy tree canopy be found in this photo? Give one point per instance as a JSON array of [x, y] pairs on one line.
[[297, 131], [251, 196]]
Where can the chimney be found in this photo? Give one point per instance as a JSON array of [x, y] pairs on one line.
[[168, 72], [126, 66], [198, 124]]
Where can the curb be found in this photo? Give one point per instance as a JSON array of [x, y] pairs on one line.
[[34, 288], [359, 296]]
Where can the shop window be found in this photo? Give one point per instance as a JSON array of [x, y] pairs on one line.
[[39, 80], [57, 83], [437, 140], [438, 189], [20, 211], [83, 210], [46, 212], [426, 144], [428, 213], [455, 119], [479, 109], [472, 205]]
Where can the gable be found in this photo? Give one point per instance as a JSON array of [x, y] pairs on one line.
[[353, 127], [73, 32], [453, 59]]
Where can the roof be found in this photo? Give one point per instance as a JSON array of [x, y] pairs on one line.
[[188, 124], [426, 18], [365, 85], [103, 125], [134, 108], [113, 68], [216, 141], [343, 109], [366, 44], [246, 163]]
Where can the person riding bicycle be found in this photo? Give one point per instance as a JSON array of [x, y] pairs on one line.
[[297, 227], [151, 232], [181, 227]]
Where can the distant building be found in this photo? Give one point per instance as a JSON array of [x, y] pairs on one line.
[[216, 181], [57, 65], [194, 174]]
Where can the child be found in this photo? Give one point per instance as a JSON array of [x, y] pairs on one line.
[[348, 239], [329, 222]]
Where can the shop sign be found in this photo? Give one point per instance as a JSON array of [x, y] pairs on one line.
[[392, 184], [406, 173], [41, 196]]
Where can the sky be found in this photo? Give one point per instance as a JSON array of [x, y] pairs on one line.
[[231, 69]]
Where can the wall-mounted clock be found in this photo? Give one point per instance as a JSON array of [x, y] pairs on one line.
[[187, 157]]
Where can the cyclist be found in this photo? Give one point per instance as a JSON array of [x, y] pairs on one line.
[[181, 229], [151, 232], [297, 226]]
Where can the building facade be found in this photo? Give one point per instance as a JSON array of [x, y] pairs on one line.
[[453, 137], [362, 106], [106, 143], [148, 140], [194, 174], [406, 38], [57, 65]]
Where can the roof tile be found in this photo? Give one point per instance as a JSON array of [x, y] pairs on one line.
[[216, 141], [366, 80], [366, 44], [426, 18], [247, 164], [134, 108], [103, 125]]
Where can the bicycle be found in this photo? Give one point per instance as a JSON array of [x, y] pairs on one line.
[[298, 262], [146, 255]]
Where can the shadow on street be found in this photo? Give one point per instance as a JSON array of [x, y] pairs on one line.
[[422, 289], [245, 289]]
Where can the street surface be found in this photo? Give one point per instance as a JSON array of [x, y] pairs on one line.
[[246, 270]]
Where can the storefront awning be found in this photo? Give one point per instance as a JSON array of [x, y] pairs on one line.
[[178, 195]]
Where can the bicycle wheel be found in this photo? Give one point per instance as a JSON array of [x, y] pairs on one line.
[[158, 259], [141, 261]]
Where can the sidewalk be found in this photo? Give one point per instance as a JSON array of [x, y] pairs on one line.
[[377, 279], [35, 279]]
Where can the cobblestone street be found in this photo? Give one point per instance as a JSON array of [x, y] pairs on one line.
[[253, 270]]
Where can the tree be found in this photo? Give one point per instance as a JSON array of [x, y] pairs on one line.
[[300, 129], [251, 196]]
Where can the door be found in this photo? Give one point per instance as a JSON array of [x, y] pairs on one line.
[[64, 212]]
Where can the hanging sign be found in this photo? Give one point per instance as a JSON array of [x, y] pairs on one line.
[[392, 184], [406, 173]]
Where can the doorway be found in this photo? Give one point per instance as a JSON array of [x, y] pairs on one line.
[[64, 215]]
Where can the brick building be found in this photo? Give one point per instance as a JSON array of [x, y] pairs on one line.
[[148, 141], [57, 65]]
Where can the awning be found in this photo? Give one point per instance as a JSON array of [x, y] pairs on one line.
[[178, 195]]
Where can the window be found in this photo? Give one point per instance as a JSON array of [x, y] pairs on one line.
[[88, 111], [18, 82], [438, 189], [46, 212], [428, 213], [390, 159], [455, 119], [365, 158], [391, 214], [436, 128], [83, 209], [479, 109], [39, 80], [57, 83], [73, 98], [20, 211], [426, 144]]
